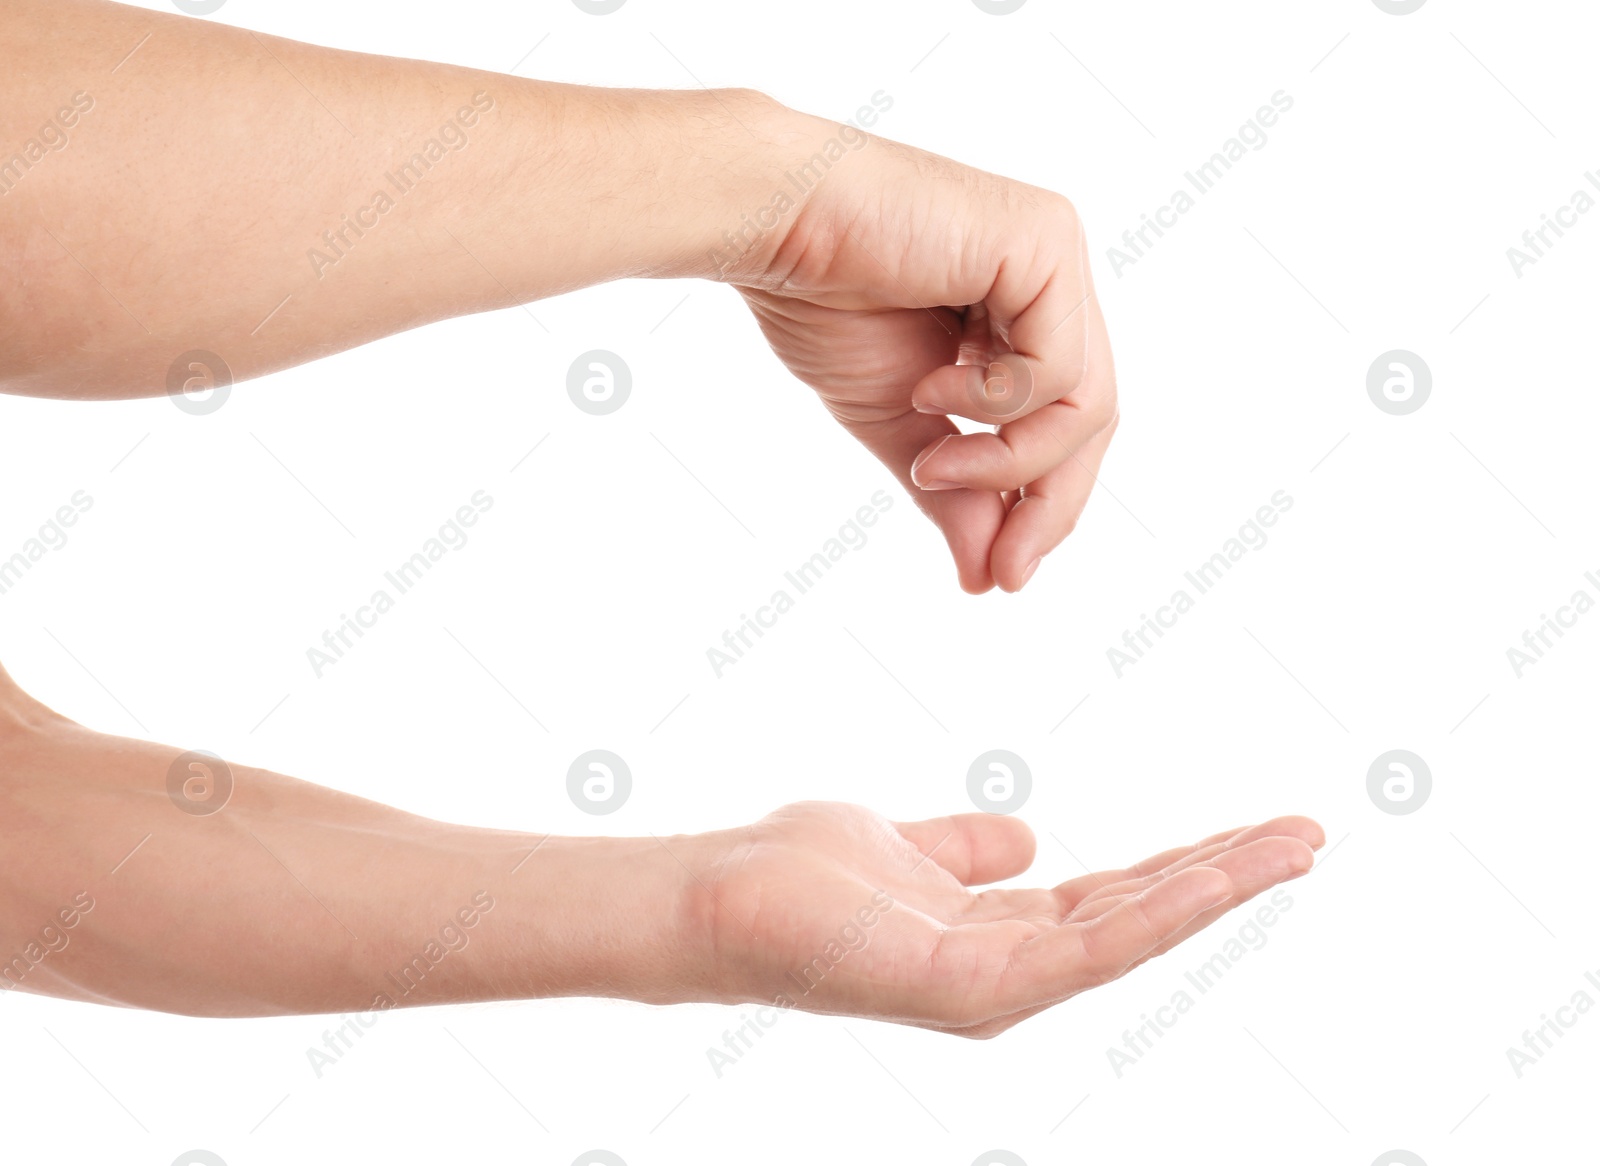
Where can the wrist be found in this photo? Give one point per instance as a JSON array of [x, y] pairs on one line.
[[757, 239], [731, 148], [627, 918]]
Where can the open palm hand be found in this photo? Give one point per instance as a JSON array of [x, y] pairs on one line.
[[831, 908]]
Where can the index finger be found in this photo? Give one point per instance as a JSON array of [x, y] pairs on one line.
[[1040, 305]]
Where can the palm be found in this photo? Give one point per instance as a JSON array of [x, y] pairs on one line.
[[862, 363], [834, 909]]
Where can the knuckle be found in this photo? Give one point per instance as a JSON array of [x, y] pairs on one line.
[[1067, 211], [1101, 411]]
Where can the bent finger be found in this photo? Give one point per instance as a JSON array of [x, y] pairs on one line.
[[1023, 450], [968, 519], [1047, 513]]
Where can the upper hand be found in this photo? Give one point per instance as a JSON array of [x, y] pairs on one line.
[[908, 289]]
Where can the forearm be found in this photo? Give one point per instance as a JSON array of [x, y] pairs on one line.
[[293, 898], [138, 875], [271, 201]]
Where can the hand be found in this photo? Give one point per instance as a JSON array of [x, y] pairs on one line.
[[832, 909], [909, 288], [826, 907]]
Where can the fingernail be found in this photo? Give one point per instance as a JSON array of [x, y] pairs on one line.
[[941, 484], [1028, 571], [922, 460], [924, 407]]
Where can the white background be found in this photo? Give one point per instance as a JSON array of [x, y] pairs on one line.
[[1378, 615]]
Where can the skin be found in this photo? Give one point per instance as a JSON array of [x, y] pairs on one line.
[[904, 288], [287, 897]]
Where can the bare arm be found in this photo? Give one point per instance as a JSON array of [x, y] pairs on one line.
[[172, 186], [190, 179], [139, 875]]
